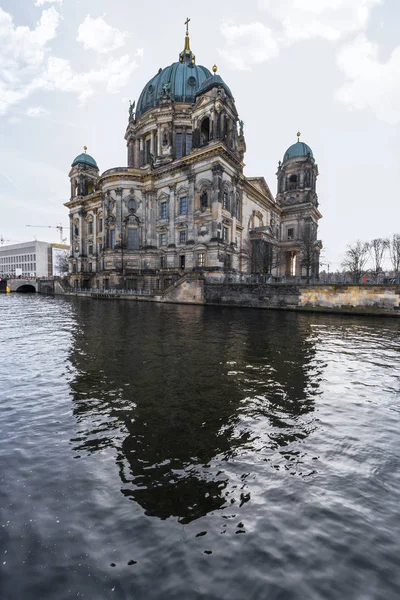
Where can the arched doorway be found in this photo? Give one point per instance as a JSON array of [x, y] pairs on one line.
[[26, 289]]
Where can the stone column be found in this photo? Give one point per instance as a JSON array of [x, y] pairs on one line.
[[152, 143], [172, 210], [131, 158], [184, 141], [141, 152], [95, 231], [233, 212], [136, 153], [216, 205], [81, 231], [118, 217], [159, 141], [71, 233], [190, 206]]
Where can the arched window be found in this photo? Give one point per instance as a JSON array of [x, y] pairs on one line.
[[132, 205], [292, 182], [205, 131]]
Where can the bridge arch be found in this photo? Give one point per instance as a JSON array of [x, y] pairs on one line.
[[26, 288]]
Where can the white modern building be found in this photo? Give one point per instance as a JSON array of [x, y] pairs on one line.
[[31, 259]]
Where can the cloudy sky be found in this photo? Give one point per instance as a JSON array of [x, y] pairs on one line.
[[330, 68]]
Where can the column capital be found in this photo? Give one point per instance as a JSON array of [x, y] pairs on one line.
[[217, 169]]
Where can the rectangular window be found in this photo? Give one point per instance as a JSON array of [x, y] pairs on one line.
[[182, 237], [112, 238], [290, 233], [100, 225], [90, 267], [163, 239], [201, 259], [163, 210], [183, 205], [188, 142], [90, 250], [225, 201], [133, 239], [182, 261], [163, 262], [90, 228], [178, 145], [225, 234]]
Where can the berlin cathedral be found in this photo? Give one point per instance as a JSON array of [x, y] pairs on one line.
[[182, 204]]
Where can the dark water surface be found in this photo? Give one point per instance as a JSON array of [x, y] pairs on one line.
[[175, 452]]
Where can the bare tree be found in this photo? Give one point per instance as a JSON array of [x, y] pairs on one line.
[[355, 259], [264, 256], [62, 263], [377, 248], [394, 252], [310, 251]]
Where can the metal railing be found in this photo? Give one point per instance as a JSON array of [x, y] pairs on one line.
[[111, 291]]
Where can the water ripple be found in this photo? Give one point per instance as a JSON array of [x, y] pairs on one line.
[[158, 452]]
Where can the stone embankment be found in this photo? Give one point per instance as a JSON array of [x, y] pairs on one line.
[[382, 300], [379, 300]]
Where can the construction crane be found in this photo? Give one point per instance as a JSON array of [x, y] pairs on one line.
[[2, 240], [59, 227]]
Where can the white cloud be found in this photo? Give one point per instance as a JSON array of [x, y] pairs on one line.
[[26, 65], [114, 75], [247, 45], [372, 84], [327, 19], [42, 2], [293, 21], [35, 111], [96, 34]]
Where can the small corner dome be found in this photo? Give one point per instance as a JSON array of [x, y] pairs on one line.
[[299, 149], [211, 82], [85, 159]]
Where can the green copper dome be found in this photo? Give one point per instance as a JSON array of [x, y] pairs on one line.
[[299, 149], [179, 82], [86, 159]]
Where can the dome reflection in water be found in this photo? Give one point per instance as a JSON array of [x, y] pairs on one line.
[[172, 400]]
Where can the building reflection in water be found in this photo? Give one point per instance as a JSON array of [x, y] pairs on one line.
[[176, 388]]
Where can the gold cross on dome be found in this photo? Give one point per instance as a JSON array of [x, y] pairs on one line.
[[187, 25]]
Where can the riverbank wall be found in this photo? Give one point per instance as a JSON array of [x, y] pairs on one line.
[[381, 300], [193, 288]]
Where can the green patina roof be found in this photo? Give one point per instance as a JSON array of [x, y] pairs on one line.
[[296, 150], [86, 159], [214, 81], [184, 80]]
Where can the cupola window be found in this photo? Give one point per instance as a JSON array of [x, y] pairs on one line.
[[292, 182]]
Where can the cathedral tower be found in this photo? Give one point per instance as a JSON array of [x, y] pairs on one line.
[[297, 197]]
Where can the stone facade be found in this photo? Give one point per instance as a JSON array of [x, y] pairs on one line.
[[183, 203]]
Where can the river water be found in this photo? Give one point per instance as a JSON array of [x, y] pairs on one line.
[[175, 452]]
